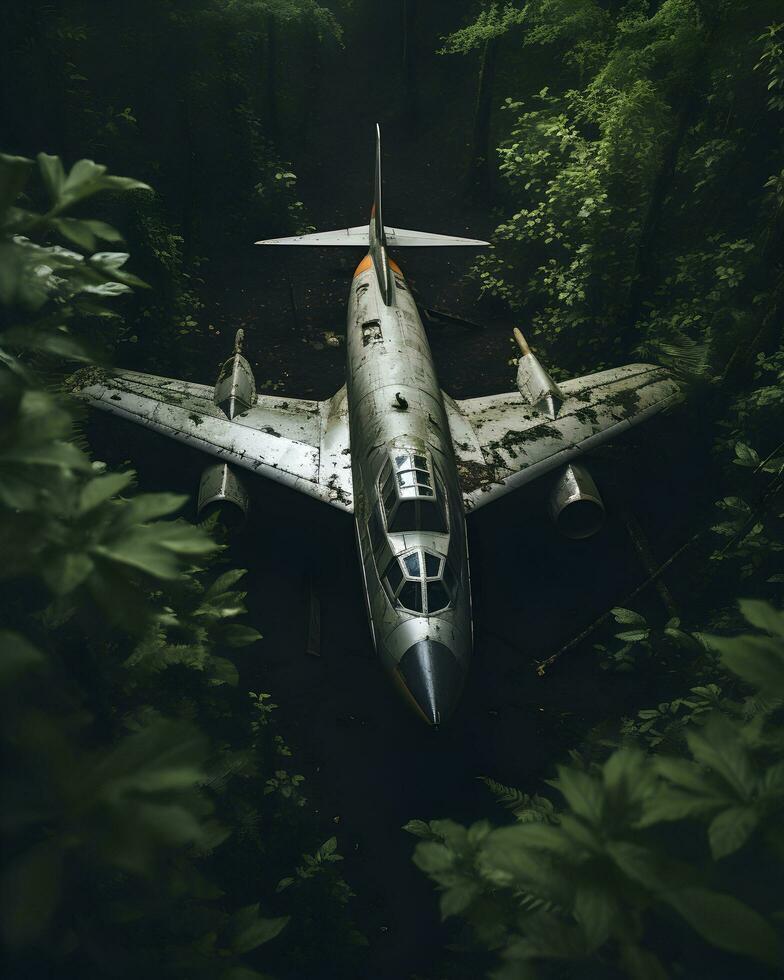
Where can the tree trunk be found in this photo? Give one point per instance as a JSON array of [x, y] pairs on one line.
[[662, 185], [478, 169], [653, 214]]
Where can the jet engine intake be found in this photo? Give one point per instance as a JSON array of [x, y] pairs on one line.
[[235, 389], [576, 506], [223, 489]]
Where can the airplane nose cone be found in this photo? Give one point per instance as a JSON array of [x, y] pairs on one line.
[[434, 679]]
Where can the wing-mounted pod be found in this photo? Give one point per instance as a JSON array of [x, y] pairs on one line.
[[221, 487], [235, 389], [576, 506], [534, 383]]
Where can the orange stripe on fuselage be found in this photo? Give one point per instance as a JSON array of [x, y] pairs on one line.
[[367, 262], [363, 266]]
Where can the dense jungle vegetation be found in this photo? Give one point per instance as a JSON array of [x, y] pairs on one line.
[[628, 159]]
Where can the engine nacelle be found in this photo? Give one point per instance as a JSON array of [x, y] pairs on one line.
[[223, 489], [576, 505], [235, 389]]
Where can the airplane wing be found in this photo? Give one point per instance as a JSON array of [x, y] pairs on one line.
[[501, 442], [300, 443]]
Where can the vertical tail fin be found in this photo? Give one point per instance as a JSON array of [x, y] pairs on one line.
[[377, 220], [377, 234]]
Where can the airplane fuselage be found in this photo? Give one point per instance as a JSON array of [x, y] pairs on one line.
[[407, 498]]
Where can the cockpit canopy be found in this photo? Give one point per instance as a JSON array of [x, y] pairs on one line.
[[413, 500], [420, 581]]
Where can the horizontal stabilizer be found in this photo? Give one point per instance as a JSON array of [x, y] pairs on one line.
[[395, 238], [343, 236], [403, 237]]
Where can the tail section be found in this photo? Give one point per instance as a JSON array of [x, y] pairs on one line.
[[376, 236]]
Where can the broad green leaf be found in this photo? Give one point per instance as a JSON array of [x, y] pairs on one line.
[[83, 174], [456, 899], [638, 863], [223, 672], [685, 774], [238, 635], [419, 828], [730, 830], [53, 175], [580, 833], [150, 506], [772, 783], [55, 342], [719, 746], [102, 488], [76, 231], [759, 660], [725, 922], [453, 834], [224, 582], [509, 857], [14, 174], [668, 804], [252, 930], [629, 616], [56, 455], [433, 857], [633, 636], [583, 793], [142, 549], [626, 775], [745, 455], [478, 831], [763, 616], [596, 912], [104, 231]]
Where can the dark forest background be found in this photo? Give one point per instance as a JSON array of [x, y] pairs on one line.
[[184, 797]]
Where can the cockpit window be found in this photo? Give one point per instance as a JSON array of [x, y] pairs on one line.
[[437, 597], [410, 596], [412, 564], [420, 581], [412, 497]]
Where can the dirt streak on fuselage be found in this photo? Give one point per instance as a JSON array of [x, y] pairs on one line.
[[396, 407]]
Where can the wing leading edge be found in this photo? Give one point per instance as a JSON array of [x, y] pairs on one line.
[[300, 443], [502, 443]]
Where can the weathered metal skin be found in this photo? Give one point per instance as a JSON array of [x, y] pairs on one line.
[[221, 485], [389, 366], [576, 505], [235, 389]]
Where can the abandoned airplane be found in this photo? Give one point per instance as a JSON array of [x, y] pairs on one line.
[[396, 451]]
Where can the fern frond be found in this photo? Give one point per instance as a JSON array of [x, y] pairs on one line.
[[526, 809]]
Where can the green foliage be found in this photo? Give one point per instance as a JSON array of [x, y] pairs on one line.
[[589, 883], [493, 21], [131, 759], [612, 155]]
